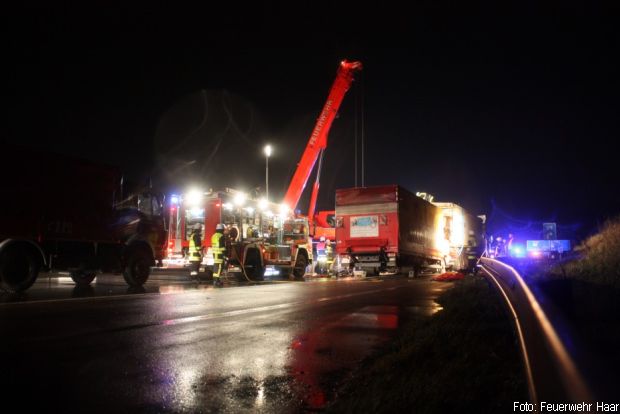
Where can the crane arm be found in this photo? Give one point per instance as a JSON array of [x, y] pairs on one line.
[[318, 139], [315, 191]]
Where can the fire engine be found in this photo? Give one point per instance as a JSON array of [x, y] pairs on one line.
[[264, 238], [70, 215]]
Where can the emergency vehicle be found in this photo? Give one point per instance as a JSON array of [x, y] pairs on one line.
[[72, 215], [263, 238]]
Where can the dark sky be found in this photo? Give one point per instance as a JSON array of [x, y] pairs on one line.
[[515, 103]]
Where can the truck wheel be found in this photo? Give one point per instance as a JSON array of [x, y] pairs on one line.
[[300, 266], [137, 268], [83, 277], [18, 268], [252, 266], [254, 270]]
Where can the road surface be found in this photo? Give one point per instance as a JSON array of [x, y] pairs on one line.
[[180, 346]]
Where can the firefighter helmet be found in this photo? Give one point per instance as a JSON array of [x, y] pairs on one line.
[[219, 226]]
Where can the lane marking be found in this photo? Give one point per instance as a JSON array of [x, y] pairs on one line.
[[266, 308], [132, 295], [189, 319], [89, 298]]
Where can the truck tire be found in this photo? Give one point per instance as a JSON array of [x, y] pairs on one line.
[[137, 267], [253, 266], [19, 268], [299, 270], [83, 277]]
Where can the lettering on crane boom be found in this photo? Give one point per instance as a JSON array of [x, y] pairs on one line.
[[320, 122]]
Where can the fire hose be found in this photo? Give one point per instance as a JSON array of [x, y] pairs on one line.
[[236, 256]]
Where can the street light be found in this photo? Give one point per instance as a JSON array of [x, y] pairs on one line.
[[267, 151]]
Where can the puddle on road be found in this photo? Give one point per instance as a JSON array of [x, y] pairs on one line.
[[321, 358], [303, 377], [265, 366], [234, 394]]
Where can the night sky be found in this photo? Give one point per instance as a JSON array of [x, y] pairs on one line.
[[514, 107]]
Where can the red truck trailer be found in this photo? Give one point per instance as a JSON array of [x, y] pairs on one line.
[[386, 229], [66, 214]]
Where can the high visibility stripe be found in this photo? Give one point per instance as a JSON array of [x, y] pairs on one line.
[[194, 253], [216, 249]]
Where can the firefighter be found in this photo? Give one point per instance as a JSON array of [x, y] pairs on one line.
[[509, 243], [499, 243], [383, 260], [329, 253], [320, 256], [218, 244], [490, 246], [195, 250], [230, 236]]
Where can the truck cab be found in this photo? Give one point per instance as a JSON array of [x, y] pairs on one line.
[[64, 216]]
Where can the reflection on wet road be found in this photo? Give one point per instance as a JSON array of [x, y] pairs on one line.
[[264, 348]]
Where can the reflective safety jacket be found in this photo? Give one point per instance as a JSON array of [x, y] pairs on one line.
[[194, 248], [217, 247]]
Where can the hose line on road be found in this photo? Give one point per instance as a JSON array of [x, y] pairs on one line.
[[234, 253]]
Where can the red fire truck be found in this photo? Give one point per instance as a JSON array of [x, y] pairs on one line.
[[263, 239], [67, 214]]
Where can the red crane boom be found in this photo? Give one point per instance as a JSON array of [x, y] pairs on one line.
[[318, 139]]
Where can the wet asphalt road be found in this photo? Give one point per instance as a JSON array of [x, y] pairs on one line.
[[181, 346]]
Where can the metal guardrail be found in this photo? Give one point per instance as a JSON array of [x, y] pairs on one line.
[[551, 370]]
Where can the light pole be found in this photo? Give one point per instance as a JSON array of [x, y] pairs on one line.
[[267, 151]]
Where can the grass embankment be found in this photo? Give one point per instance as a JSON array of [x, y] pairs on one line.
[[463, 359], [600, 259], [587, 290]]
